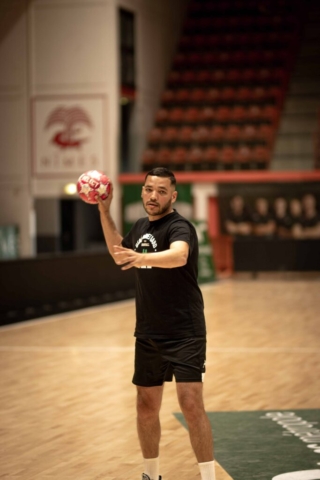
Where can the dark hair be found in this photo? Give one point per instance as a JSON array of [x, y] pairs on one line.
[[162, 172]]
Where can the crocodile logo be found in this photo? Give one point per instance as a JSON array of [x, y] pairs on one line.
[[72, 120]]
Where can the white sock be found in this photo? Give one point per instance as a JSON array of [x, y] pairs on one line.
[[207, 470], [151, 468]]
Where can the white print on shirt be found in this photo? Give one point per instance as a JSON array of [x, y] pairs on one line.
[[147, 243], [150, 237]]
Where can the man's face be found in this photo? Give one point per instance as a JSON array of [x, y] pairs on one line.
[[158, 195], [295, 207], [237, 203], [262, 206]]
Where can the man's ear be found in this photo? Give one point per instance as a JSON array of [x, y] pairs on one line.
[[174, 196], [142, 191]]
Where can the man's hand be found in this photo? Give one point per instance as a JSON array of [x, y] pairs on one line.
[[127, 257], [104, 205]]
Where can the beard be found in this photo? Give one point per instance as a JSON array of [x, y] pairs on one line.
[[158, 210]]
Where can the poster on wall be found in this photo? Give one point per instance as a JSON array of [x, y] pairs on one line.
[[68, 134]]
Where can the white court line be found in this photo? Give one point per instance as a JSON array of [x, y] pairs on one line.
[[62, 316], [119, 349]]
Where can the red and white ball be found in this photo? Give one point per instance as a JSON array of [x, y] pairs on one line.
[[93, 184]]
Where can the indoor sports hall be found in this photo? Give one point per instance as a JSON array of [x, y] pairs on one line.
[[226, 95]]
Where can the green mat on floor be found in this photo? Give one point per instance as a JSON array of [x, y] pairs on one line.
[[266, 444]]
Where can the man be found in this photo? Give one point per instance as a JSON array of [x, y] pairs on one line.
[[310, 217], [238, 221], [295, 213], [282, 218], [170, 326], [262, 221]]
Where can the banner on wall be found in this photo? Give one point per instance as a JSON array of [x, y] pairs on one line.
[[68, 134], [206, 269], [8, 241]]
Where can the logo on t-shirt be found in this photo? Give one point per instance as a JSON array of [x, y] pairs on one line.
[[146, 244]]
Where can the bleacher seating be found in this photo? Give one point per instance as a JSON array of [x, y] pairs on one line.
[[224, 95]]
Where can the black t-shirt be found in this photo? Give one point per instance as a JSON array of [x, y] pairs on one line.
[[169, 302], [310, 222], [295, 220], [259, 219], [243, 217], [284, 222]]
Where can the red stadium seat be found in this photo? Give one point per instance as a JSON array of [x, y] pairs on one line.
[[168, 97], [233, 133], [213, 95], [261, 156], [244, 156], [192, 115], [255, 113], [182, 95], [162, 116], [148, 158], [202, 77], [176, 115], [228, 94], [217, 133], [163, 156], [170, 134], [239, 114], [244, 94], [271, 113], [249, 133], [201, 134], [228, 157], [259, 94], [218, 76], [265, 133], [223, 114], [179, 158], [207, 115], [195, 156], [185, 134], [249, 76], [188, 77], [233, 77], [198, 95], [211, 156]]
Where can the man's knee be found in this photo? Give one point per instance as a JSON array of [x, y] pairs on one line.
[[191, 402], [148, 403]]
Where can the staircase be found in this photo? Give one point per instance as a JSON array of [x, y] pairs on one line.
[[294, 147]]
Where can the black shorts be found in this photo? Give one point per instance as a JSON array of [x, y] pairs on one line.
[[156, 361]]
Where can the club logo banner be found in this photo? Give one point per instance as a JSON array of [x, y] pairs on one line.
[[68, 134]]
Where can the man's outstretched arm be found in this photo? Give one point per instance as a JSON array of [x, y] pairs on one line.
[[175, 256]]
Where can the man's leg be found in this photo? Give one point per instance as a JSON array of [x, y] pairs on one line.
[[190, 397], [148, 426]]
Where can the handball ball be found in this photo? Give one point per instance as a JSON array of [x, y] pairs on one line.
[[93, 184]]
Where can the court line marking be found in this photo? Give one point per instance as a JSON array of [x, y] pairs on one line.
[[119, 349]]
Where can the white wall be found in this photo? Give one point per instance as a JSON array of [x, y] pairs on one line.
[[69, 48], [15, 199]]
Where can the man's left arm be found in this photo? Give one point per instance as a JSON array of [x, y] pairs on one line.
[[175, 256]]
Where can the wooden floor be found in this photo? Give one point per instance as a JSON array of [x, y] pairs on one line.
[[68, 405]]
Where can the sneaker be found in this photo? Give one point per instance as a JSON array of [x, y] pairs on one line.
[[146, 477]]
